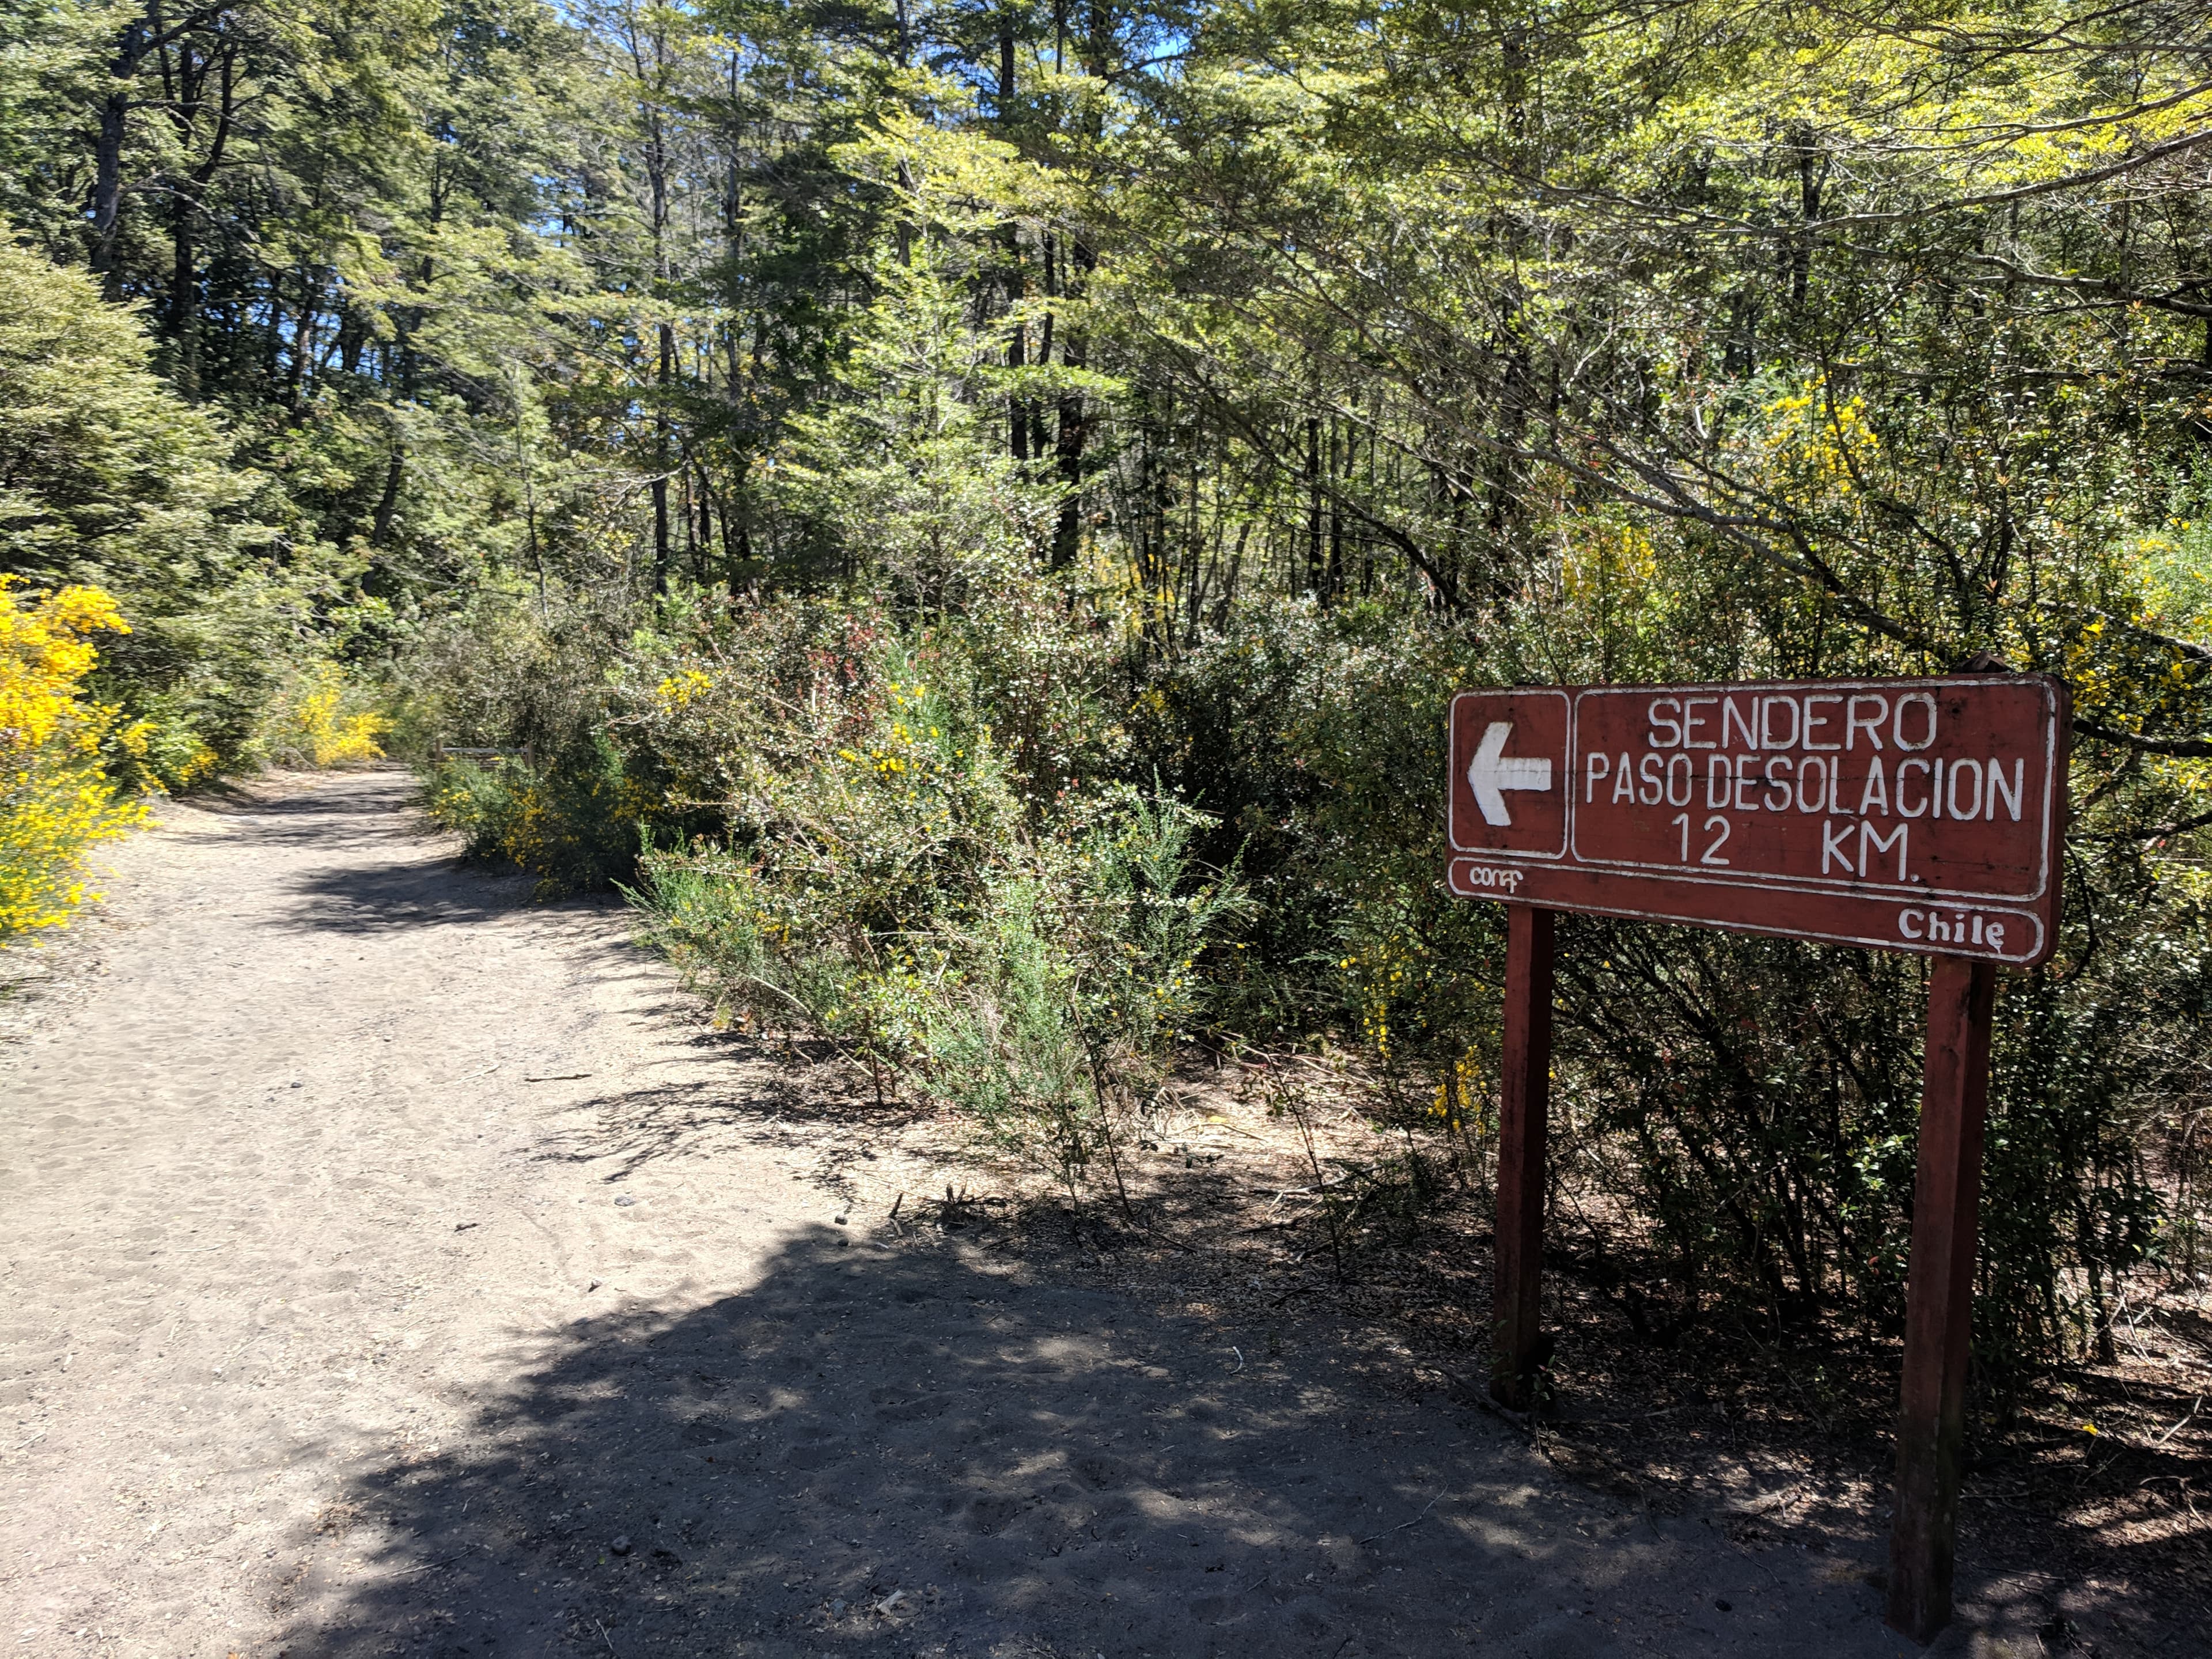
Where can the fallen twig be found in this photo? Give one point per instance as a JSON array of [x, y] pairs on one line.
[[1402, 1525], [2188, 1417]]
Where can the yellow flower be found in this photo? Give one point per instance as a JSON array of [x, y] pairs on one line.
[[56, 798]]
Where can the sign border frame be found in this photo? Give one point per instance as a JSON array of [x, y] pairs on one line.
[[1565, 695], [2047, 894]]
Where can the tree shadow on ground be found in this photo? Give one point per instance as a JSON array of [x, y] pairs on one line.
[[400, 897], [350, 810], [902, 1444], [739, 1087]]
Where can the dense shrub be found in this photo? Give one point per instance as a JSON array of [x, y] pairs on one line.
[[889, 874], [58, 794]]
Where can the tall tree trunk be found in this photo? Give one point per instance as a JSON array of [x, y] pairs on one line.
[[1018, 412], [184, 309], [1313, 504], [652, 88], [107, 164], [1044, 350], [1339, 466], [184, 282], [1074, 422], [661, 435], [380, 530], [303, 337]]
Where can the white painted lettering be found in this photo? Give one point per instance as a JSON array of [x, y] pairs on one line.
[[1485, 875], [1665, 723], [1688, 780], [1720, 773], [1712, 853], [1961, 768], [1691, 719], [1855, 722], [1995, 934], [1766, 737], [1902, 767], [1747, 777], [1812, 723], [1624, 780], [1735, 720], [1598, 765], [1648, 789], [1912, 924], [1870, 841], [2014, 793], [1812, 766], [1836, 844], [1876, 793], [1897, 725], [1777, 789], [1936, 795]]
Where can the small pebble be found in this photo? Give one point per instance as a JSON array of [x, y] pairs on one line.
[[624, 1201], [1722, 1606], [621, 1545], [837, 1607]]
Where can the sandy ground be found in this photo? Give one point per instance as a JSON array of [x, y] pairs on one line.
[[397, 1266]]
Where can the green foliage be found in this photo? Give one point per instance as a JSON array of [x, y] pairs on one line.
[[106, 470], [108, 478], [943, 492], [888, 877], [576, 825]]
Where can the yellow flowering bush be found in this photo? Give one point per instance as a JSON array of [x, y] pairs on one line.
[[575, 821], [56, 797], [311, 725]]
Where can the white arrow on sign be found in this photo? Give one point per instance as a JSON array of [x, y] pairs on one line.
[[1489, 772]]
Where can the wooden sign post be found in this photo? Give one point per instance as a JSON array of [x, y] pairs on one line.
[[1922, 816]]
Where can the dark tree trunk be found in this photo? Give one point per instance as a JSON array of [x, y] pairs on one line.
[[665, 376], [107, 166], [1313, 503], [380, 531], [1074, 428], [184, 321]]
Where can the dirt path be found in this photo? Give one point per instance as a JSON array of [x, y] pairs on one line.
[[396, 1267]]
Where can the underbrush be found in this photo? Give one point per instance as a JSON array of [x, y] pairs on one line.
[[58, 753], [1012, 861], [318, 718], [887, 875], [574, 824]]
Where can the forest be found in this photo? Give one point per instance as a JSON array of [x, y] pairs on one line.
[[969, 514]]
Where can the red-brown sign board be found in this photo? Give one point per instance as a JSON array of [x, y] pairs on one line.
[[1899, 815]]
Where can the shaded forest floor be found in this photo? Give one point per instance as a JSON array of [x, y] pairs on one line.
[[398, 1266]]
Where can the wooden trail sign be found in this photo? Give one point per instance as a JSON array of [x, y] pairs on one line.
[[1918, 815], [1901, 815]]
